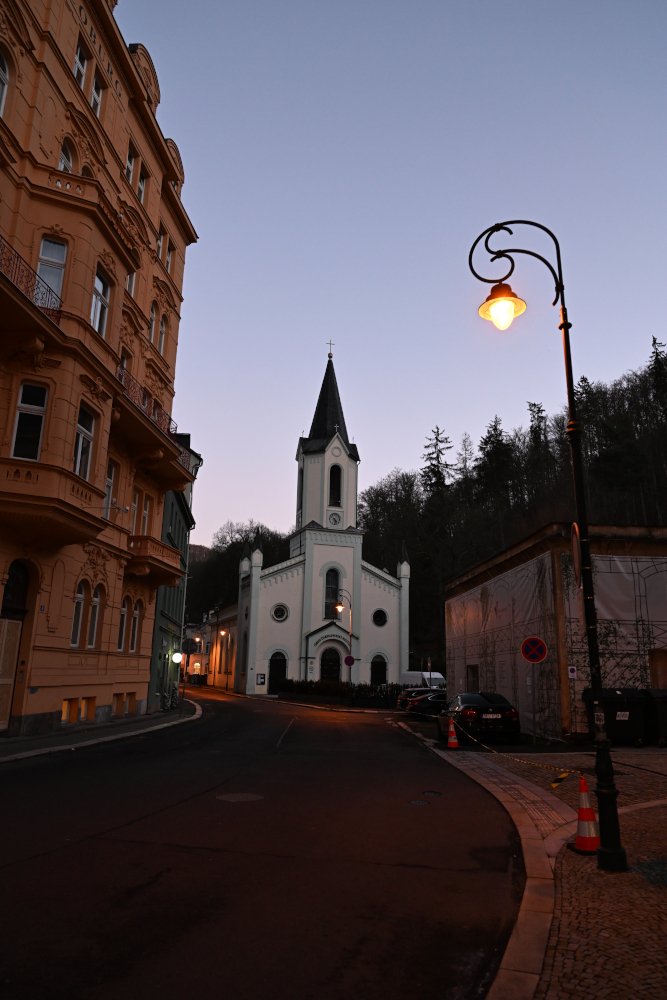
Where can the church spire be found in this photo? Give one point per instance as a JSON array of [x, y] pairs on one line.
[[329, 419]]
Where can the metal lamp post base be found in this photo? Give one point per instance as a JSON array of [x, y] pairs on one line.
[[611, 854]]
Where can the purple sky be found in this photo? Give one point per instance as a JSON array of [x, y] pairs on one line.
[[340, 159]]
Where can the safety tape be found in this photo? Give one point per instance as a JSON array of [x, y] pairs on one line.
[[548, 767]]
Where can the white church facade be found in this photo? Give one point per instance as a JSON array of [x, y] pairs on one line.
[[324, 613]]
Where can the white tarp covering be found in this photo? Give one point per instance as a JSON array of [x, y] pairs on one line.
[[486, 626]]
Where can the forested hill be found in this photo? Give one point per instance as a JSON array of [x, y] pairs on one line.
[[465, 505]]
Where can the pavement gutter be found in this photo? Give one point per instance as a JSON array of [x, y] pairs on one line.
[[106, 739], [521, 965], [274, 700]]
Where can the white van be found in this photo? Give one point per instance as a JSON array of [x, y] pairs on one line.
[[425, 678]]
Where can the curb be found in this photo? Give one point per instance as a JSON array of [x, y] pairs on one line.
[[301, 704], [106, 739], [521, 965]]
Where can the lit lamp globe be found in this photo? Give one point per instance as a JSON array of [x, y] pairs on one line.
[[501, 306], [340, 607], [177, 657]]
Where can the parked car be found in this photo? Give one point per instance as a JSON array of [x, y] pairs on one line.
[[485, 715], [431, 703], [411, 693]]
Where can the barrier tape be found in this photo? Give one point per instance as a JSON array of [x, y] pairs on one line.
[[548, 767]]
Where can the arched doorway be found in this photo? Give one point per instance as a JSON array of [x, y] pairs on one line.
[[277, 672], [378, 670], [330, 665], [14, 607]]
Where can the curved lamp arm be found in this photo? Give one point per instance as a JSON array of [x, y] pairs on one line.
[[556, 273]]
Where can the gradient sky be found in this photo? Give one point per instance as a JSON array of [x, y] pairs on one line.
[[341, 157]]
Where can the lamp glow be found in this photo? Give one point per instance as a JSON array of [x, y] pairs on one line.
[[222, 632], [177, 657], [501, 306], [340, 606]]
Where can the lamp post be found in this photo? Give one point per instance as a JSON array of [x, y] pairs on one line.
[[501, 306], [340, 607]]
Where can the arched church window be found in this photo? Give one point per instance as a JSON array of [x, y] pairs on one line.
[[335, 485], [378, 670], [277, 672], [331, 593], [299, 491], [330, 665]]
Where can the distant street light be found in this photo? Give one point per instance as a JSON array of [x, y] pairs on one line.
[[501, 306], [340, 607]]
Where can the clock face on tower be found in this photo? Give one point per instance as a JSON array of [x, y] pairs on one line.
[[334, 518]]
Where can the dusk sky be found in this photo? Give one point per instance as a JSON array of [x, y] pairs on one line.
[[340, 159]]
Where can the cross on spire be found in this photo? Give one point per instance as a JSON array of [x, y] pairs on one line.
[[336, 428], [331, 344]]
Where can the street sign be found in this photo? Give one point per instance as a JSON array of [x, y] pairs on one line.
[[576, 554], [533, 649], [572, 672], [349, 661]]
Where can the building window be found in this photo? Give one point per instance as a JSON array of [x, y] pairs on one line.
[[96, 97], [51, 267], [4, 82], [151, 325], [169, 250], [129, 284], [135, 628], [133, 511], [30, 422], [142, 188], [83, 444], [331, 593], [65, 161], [145, 515], [78, 614], [109, 489], [335, 483], [129, 164], [79, 68], [378, 670], [160, 241], [123, 619], [100, 306], [160, 343], [280, 613], [94, 613], [379, 617]]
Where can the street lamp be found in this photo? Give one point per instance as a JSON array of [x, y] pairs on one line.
[[340, 607], [501, 306]]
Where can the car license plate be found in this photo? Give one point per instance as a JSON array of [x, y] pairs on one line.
[[622, 716], [491, 716]]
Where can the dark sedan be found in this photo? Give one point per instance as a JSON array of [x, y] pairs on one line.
[[431, 703], [486, 715], [412, 693]]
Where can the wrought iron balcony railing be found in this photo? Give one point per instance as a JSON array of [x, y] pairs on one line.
[[142, 398], [29, 282]]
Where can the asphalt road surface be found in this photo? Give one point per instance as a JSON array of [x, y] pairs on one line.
[[126, 873]]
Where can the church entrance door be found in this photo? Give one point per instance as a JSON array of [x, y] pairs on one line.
[[330, 665], [277, 672]]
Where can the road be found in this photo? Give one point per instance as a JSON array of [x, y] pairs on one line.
[[125, 875]]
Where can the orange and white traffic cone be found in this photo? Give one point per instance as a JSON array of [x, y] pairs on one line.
[[588, 834], [452, 742]]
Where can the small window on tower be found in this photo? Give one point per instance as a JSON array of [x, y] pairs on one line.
[[335, 484]]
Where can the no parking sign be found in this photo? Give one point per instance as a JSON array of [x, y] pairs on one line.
[[533, 649]]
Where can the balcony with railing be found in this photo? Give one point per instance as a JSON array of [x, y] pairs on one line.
[[29, 282], [141, 397], [154, 560]]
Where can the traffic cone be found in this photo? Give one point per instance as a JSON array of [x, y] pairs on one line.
[[588, 834], [452, 742]]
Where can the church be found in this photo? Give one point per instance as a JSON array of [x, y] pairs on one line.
[[325, 613]]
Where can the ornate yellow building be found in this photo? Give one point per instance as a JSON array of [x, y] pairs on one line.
[[92, 250]]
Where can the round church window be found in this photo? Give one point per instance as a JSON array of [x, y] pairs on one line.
[[379, 617], [280, 613]]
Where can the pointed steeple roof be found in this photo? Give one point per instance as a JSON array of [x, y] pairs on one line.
[[328, 419]]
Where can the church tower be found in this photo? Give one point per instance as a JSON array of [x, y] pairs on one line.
[[328, 464]]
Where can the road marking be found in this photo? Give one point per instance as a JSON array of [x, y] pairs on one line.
[[284, 734]]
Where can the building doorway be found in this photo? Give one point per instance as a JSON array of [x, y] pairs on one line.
[[378, 670], [277, 672], [13, 612], [330, 665], [472, 678]]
